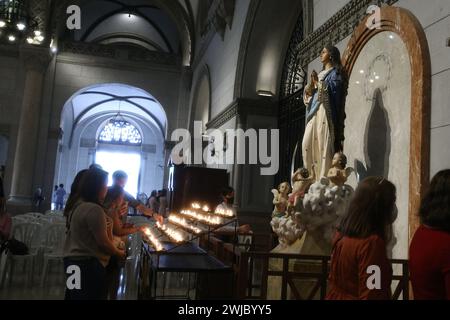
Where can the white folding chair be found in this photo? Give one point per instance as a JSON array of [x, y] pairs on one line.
[[34, 215], [18, 219], [27, 233], [53, 248]]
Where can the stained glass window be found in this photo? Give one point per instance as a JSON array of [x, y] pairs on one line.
[[120, 132]]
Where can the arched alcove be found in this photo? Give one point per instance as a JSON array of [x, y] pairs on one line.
[[89, 111], [263, 50], [400, 26]]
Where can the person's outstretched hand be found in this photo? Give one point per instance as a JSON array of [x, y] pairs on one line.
[[159, 218], [151, 214]]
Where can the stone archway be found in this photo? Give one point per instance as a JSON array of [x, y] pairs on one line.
[[404, 24], [89, 111]]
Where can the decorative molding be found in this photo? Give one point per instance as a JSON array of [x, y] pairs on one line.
[[406, 25], [223, 117], [88, 49], [154, 57], [132, 54], [336, 29], [220, 15], [242, 108]]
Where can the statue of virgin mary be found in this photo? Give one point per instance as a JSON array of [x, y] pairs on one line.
[[324, 98]]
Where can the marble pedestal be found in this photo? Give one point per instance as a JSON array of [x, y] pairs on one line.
[[274, 283], [312, 243], [317, 245]]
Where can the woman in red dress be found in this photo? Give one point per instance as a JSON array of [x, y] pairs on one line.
[[360, 269], [429, 254]]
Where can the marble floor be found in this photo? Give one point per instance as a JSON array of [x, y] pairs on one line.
[[169, 285], [53, 289]]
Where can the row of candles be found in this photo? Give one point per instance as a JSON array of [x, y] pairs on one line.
[[180, 221], [171, 233], [153, 240], [220, 212], [208, 219]]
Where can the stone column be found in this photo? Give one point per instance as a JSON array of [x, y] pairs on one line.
[[35, 61]]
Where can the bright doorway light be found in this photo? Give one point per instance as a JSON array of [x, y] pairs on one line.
[[112, 161]]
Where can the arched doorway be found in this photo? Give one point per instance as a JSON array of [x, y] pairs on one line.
[[117, 126], [118, 148]]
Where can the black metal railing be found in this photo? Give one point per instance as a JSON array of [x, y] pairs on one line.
[[256, 287]]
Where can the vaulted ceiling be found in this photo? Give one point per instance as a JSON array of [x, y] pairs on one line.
[[156, 25], [128, 24]]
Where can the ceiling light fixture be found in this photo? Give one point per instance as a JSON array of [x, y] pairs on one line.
[[265, 93], [16, 23]]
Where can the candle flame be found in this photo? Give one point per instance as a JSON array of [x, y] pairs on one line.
[[153, 240], [183, 222], [202, 217], [224, 213], [170, 232]]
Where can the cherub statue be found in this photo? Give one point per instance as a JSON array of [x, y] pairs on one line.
[[338, 173], [280, 199], [301, 181]]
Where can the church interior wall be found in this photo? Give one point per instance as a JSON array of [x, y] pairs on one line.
[[266, 50], [436, 22], [325, 9], [221, 55]]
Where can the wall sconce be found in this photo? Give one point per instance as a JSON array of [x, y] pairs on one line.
[[265, 93]]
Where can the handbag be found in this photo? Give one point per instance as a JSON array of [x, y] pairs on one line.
[[14, 246]]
